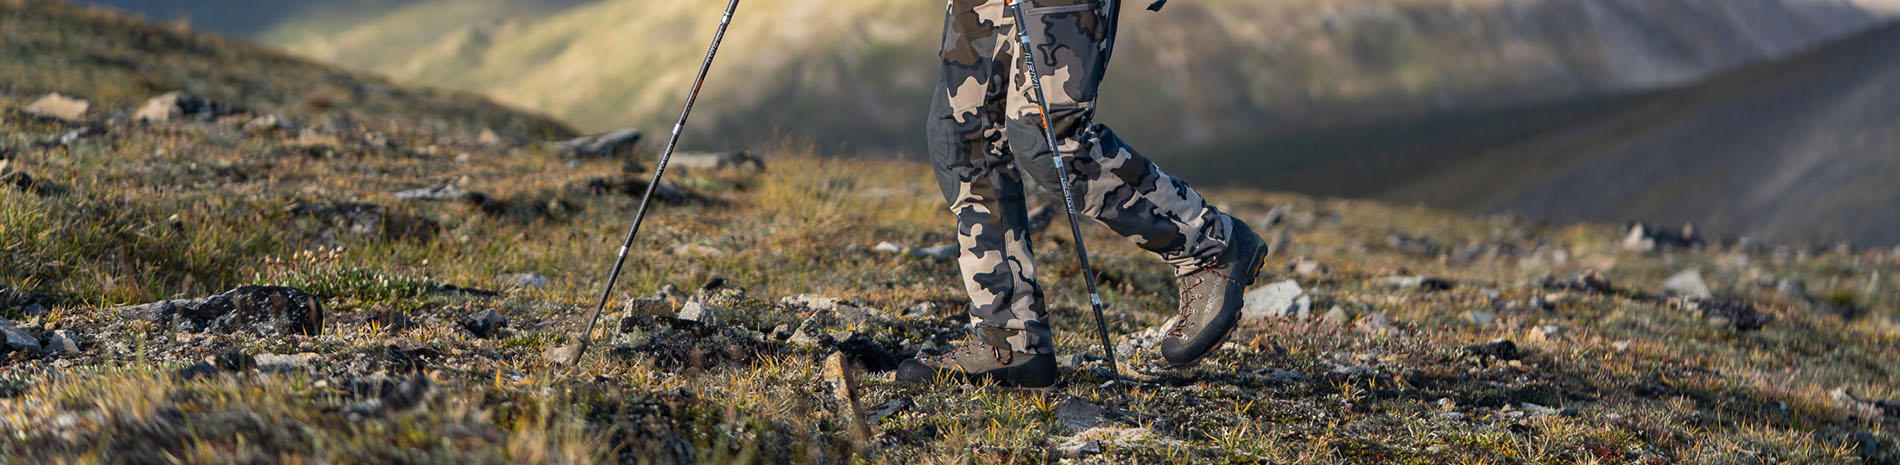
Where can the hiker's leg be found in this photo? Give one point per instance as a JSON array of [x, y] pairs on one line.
[[1111, 181], [980, 181]]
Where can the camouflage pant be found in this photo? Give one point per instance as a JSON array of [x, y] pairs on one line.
[[985, 133]]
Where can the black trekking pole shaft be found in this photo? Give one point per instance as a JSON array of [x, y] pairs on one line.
[[659, 170], [1068, 194]]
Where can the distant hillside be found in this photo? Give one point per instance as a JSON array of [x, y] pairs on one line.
[[1806, 148], [1205, 71], [117, 62]]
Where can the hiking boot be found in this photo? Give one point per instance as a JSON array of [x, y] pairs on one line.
[[1211, 298], [976, 360]]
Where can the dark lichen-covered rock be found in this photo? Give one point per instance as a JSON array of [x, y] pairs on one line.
[[674, 343], [260, 310], [1732, 312], [484, 325]]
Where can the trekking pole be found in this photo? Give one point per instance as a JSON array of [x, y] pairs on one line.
[[1068, 194], [659, 170]]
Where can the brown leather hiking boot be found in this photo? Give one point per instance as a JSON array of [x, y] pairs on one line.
[[975, 360], [1211, 299]]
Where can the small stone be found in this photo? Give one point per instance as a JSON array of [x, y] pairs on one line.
[[197, 370], [1081, 447], [1307, 267], [1479, 317], [441, 192], [522, 280], [1337, 316], [888, 247], [234, 361], [1546, 334], [695, 310], [1075, 414], [560, 355], [923, 310], [1449, 416], [483, 325], [490, 137], [1688, 283], [1375, 323], [842, 377], [1356, 371], [18, 339], [1283, 299], [889, 408], [948, 252], [61, 341], [1414, 282], [1501, 349], [1621, 346], [1542, 410], [616, 144], [59, 106], [175, 105], [392, 321], [1284, 376], [1446, 404], [269, 123]]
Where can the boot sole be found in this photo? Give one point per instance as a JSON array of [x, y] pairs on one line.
[[1259, 261]]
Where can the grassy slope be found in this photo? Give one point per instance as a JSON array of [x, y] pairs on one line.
[[1682, 391]]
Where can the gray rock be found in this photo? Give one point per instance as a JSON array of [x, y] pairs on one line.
[[441, 192], [1081, 447], [1542, 410], [947, 252], [1284, 376], [1306, 267], [1501, 349], [484, 325], [281, 362], [1337, 316], [1414, 282], [260, 310], [178, 105], [1075, 414], [1283, 299], [890, 407], [616, 144], [1791, 287], [695, 310], [59, 106], [196, 370], [1688, 283], [1375, 323], [522, 280], [76, 135], [61, 342], [1356, 371], [829, 315], [18, 339], [718, 160], [889, 247], [269, 123], [1479, 317]]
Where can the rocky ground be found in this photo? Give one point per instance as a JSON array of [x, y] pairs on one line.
[[188, 280]]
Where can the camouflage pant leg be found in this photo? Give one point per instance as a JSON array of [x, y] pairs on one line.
[[980, 181], [1111, 181]]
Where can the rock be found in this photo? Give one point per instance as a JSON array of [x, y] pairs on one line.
[[616, 144], [1479, 317], [490, 137], [522, 280], [1081, 447], [269, 123], [718, 160], [889, 408], [1688, 283], [1417, 246], [1414, 282], [828, 315], [61, 342], [259, 310], [842, 377], [1283, 299], [888, 247], [196, 370], [1500, 349], [19, 180], [1546, 334], [560, 355], [1284, 376], [1446, 404], [1621, 346], [18, 339], [1590, 281], [1075, 414], [1731, 312], [177, 105], [59, 106], [1309, 268], [285, 362], [947, 252], [355, 219], [923, 310], [1375, 323], [1449, 416], [1072, 361], [697, 310], [1542, 410], [484, 325], [1355, 371], [1337, 316], [76, 135], [649, 306], [441, 192], [1645, 237], [1127, 345], [1791, 288]]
